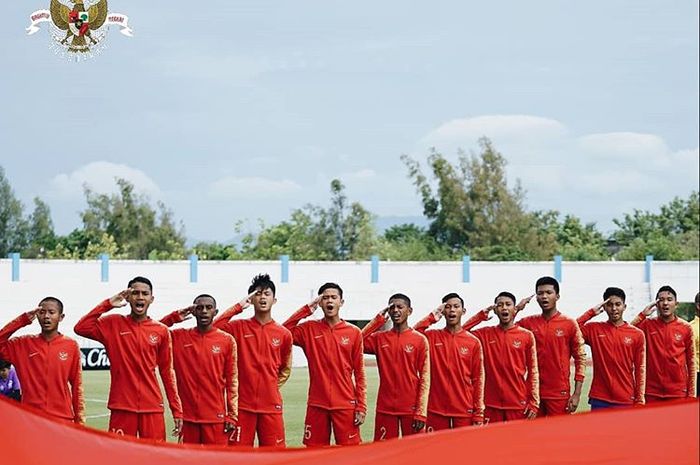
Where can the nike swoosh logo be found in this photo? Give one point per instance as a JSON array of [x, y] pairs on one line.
[[438, 344], [279, 441], [124, 333], [33, 354], [317, 337], [188, 345], [350, 436], [248, 335]]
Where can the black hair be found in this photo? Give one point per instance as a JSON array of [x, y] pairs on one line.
[[4, 364], [53, 299], [205, 295], [403, 297], [667, 289], [141, 279], [453, 295], [330, 286], [697, 298], [614, 292], [545, 280], [262, 282], [505, 294]]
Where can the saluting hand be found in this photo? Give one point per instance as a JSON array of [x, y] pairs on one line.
[[246, 302], [31, 314], [186, 312], [651, 308], [121, 299], [439, 312], [313, 305], [598, 309], [521, 305]]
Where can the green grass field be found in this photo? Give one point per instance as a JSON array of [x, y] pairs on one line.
[[96, 388]]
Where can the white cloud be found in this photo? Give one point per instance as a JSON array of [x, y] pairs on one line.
[[231, 187], [616, 182], [502, 129], [362, 174], [100, 176]]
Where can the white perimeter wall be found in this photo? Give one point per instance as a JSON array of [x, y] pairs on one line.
[[78, 285]]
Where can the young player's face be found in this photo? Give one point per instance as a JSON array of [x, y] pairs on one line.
[[204, 310], [546, 297], [615, 307], [667, 304], [263, 300], [331, 302], [505, 310], [4, 373], [453, 311], [140, 298], [49, 315], [399, 311]]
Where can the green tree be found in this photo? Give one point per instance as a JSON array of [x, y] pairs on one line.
[[13, 226], [408, 242], [671, 234], [472, 209], [139, 230], [340, 232], [574, 241], [41, 236]]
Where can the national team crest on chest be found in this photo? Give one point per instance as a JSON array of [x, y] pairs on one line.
[[215, 349], [464, 350], [153, 338], [559, 332], [408, 348], [345, 340], [628, 340], [517, 343], [63, 356], [276, 342], [678, 337]]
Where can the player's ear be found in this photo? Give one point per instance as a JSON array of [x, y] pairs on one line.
[[274, 300], [216, 311], [152, 298], [342, 301], [410, 310], [60, 318]]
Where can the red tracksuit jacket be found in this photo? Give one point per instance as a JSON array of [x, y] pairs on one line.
[[50, 371], [207, 374], [670, 356], [335, 358], [134, 350], [512, 371], [264, 360], [457, 374], [404, 369], [619, 360]]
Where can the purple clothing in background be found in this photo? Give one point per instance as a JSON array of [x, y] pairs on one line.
[[10, 384]]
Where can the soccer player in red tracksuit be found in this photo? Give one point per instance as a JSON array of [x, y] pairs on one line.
[[264, 365], [47, 363], [457, 369], [135, 345], [404, 371], [338, 387], [510, 356], [670, 349], [558, 340], [618, 350], [204, 359]]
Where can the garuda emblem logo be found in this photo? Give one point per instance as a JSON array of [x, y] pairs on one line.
[[80, 29]]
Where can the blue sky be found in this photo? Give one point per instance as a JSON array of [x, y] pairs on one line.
[[247, 109]]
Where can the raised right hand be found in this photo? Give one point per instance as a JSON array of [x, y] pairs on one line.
[[651, 308], [31, 314], [313, 305], [121, 299], [439, 312], [598, 309]]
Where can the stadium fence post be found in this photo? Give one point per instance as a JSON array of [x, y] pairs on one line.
[[557, 267], [193, 268], [15, 265], [647, 268], [375, 269], [284, 264], [466, 262], [104, 267]]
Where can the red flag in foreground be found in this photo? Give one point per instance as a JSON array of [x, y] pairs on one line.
[[654, 435]]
